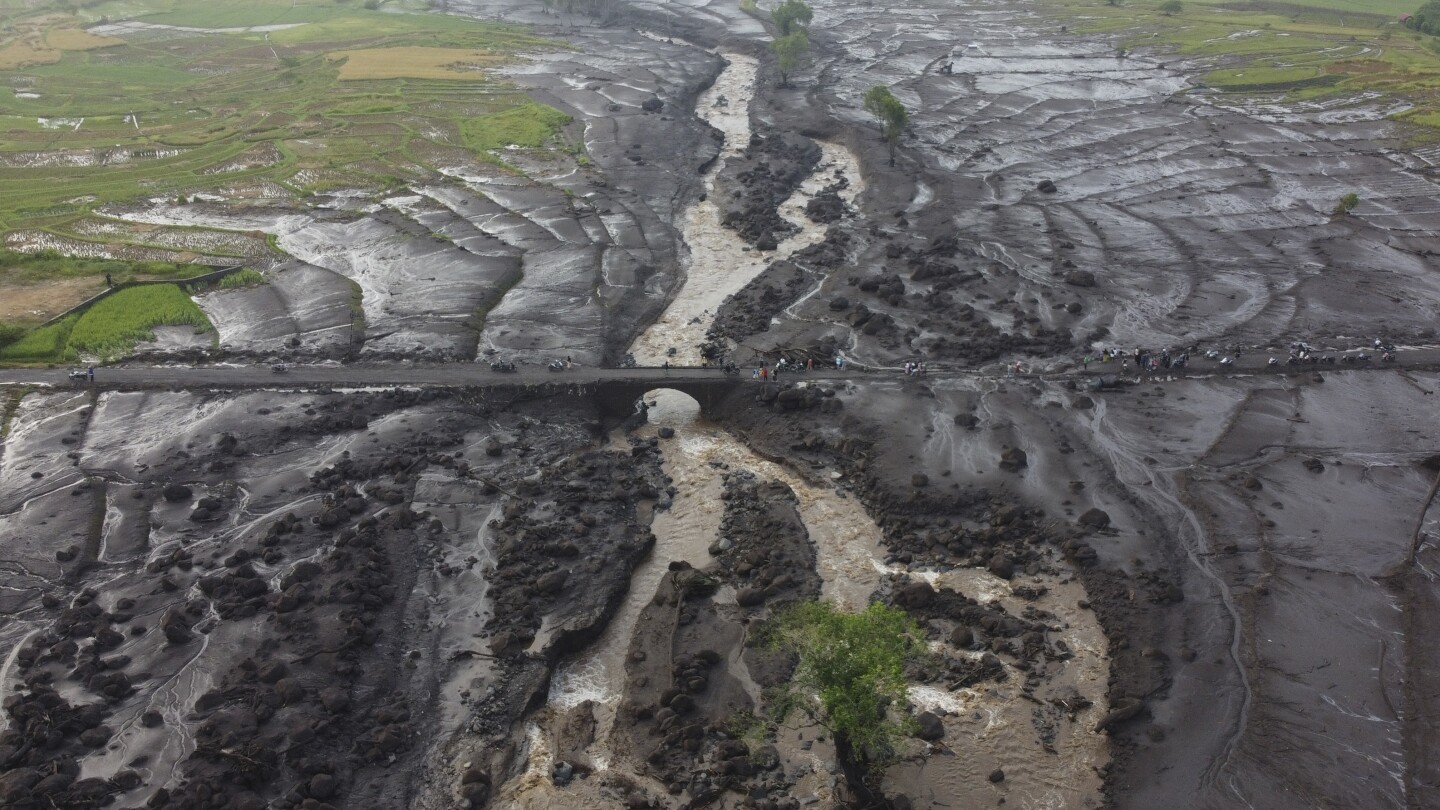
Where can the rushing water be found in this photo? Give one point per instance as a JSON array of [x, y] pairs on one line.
[[847, 541], [719, 262]]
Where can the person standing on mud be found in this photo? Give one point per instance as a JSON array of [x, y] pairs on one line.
[[91, 373]]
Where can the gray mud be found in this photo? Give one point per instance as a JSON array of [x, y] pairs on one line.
[[1166, 591]]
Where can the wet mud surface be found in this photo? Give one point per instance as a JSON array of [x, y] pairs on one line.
[[1196, 592]]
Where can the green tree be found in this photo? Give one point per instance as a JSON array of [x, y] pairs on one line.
[[850, 678], [1346, 204], [789, 51], [1170, 7], [890, 114], [790, 15]]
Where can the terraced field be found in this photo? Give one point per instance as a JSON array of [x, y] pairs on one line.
[[256, 104], [1325, 53]]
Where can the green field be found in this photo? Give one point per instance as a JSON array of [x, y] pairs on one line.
[[111, 327], [1305, 50], [111, 102], [201, 110]]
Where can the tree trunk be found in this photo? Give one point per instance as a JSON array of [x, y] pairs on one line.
[[856, 776]]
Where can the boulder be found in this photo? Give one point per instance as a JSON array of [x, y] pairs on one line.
[[750, 597], [839, 302], [323, 786], [1080, 278], [552, 582], [176, 492], [919, 480], [175, 627], [915, 594], [1013, 459], [1046, 186], [334, 700], [1001, 566], [652, 104], [930, 727], [1094, 518]]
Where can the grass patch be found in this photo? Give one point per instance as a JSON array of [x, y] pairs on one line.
[[241, 279], [44, 345], [527, 124], [1307, 50], [413, 62], [409, 78], [114, 325], [47, 265], [75, 39], [110, 328]]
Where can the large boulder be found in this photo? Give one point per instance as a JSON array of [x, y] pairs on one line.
[[1013, 459], [930, 727], [915, 594], [175, 493], [1094, 519]]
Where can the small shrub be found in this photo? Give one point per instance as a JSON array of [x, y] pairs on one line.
[[1347, 203]]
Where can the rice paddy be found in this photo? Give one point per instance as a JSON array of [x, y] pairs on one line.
[[1306, 50], [128, 100]]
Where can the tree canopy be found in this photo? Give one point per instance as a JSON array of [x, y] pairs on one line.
[[850, 675], [1426, 19], [789, 50], [889, 112], [790, 15]]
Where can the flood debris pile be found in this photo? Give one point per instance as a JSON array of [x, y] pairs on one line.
[[754, 183], [763, 550], [280, 622], [688, 700]]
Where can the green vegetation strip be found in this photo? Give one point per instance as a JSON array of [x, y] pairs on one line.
[[111, 327], [104, 126], [1304, 50], [18, 268]]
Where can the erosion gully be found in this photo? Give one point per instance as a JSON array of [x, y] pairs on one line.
[[849, 556]]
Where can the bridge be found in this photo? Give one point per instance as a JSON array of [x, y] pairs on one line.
[[615, 389]]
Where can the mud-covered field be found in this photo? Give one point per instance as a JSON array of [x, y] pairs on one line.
[[1137, 591]]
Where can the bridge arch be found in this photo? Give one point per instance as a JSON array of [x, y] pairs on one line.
[[618, 397]]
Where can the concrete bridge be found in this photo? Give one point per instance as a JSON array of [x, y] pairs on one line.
[[615, 389]]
